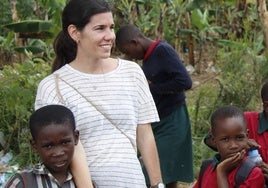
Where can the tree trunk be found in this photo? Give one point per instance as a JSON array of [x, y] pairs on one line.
[[263, 14], [15, 18], [190, 40]]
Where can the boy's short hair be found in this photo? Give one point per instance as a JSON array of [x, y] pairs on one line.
[[264, 91], [51, 114], [126, 33], [223, 112]]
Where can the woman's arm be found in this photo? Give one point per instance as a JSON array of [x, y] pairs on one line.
[[147, 148], [79, 168]]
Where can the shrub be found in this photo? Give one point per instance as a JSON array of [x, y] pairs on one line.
[[18, 85]]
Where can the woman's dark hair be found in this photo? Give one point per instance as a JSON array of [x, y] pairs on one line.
[[223, 112], [51, 115], [78, 13]]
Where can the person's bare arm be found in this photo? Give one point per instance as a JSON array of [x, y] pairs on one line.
[[264, 167], [222, 180], [79, 168], [147, 148]]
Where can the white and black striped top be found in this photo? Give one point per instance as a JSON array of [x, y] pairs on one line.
[[107, 108]]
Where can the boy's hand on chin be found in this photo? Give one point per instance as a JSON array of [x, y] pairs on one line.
[[231, 162]]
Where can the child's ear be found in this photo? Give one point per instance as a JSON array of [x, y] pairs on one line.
[[33, 144], [213, 141], [134, 42], [76, 137]]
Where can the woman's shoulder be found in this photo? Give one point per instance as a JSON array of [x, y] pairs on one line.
[[46, 80], [131, 69], [129, 64], [51, 77]]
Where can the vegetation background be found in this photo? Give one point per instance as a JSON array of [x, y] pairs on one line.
[[223, 43]]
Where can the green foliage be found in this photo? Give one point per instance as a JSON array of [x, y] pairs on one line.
[[238, 82], [242, 71], [28, 26], [25, 9], [6, 49], [201, 152], [41, 20], [18, 85], [204, 103], [201, 103], [235, 35], [5, 14], [195, 4]]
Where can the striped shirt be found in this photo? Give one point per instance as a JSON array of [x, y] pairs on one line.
[[107, 108], [39, 177]]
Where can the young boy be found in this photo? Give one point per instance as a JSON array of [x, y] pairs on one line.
[[53, 137], [257, 124], [229, 134]]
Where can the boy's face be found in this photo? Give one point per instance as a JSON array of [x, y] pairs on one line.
[[55, 146], [133, 50], [230, 136]]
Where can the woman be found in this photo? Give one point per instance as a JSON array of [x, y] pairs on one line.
[[109, 97]]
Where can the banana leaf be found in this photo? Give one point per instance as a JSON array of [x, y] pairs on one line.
[[32, 28], [33, 49]]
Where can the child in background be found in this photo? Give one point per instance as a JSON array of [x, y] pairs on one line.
[[229, 135], [257, 124], [53, 137], [168, 80]]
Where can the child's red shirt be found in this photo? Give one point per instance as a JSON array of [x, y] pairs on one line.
[[258, 130], [209, 179]]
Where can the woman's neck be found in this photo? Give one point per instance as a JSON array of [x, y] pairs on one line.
[[94, 66]]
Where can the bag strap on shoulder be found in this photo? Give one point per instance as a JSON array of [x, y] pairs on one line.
[[243, 172], [203, 167]]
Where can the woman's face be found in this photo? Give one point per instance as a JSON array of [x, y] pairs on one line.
[[97, 37]]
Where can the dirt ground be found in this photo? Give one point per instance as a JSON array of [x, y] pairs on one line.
[[184, 185]]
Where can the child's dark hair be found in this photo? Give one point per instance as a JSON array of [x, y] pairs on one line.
[[78, 13], [223, 112], [264, 91], [126, 33], [51, 114]]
